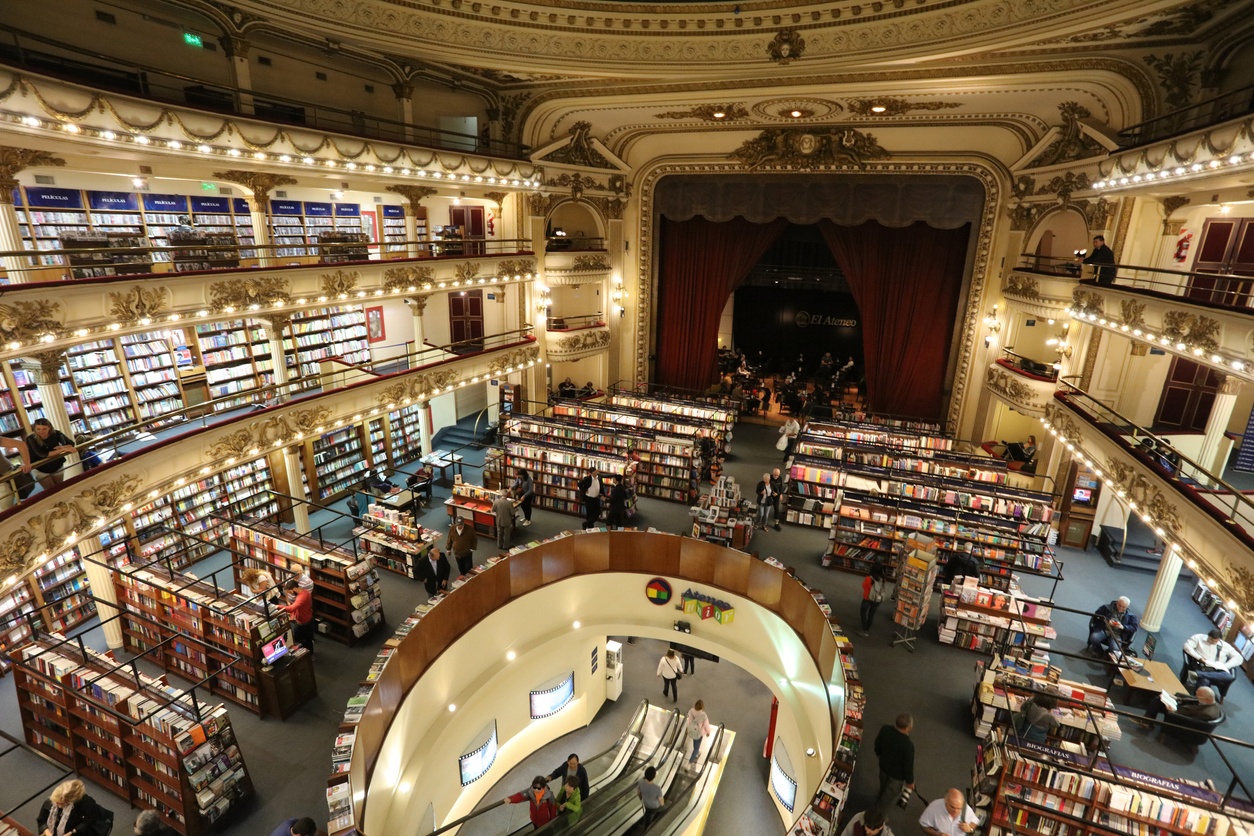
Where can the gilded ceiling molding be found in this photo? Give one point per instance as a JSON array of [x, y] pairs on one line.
[[26, 322], [989, 178], [498, 198], [708, 113], [413, 195], [1127, 480], [598, 261], [238, 294], [1171, 226], [259, 183], [259, 436], [786, 47], [50, 532], [1072, 143], [141, 302], [801, 148], [891, 106], [580, 148], [396, 279], [340, 283]]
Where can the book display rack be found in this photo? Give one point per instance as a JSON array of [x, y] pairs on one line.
[[722, 417], [914, 595], [203, 250], [195, 627], [393, 540], [150, 744], [105, 261], [473, 503], [667, 466], [982, 619], [625, 417], [1213, 606], [557, 468], [1006, 682], [346, 595], [1039, 790], [721, 517]]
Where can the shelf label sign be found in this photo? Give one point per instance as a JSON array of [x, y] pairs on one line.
[[317, 210], [241, 206], [54, 198], [347, 210], [115, 201], [393, 211], [285, 207], [165, 203], [211, 204], [706, 607]]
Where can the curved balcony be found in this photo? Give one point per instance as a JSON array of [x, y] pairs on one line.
[[88, 503], [1038, 293], [1026, 389], [1210, 520], [1203, 317], [576, 267], [573, 338]]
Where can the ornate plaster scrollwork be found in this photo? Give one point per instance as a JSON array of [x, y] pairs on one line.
[[416, 388], [541, 204], [584, 341], [894, 107], [1062, 421], [1064, 184], [1141, 490], [1071, 143], [513, 359], [1008, 386], [1132, 313], [516, 267], [339, 283], [46, 533], [14, 160], [598, 261], [414, 195], [786, 47], [806, 149], [580, 150], [466, 271], [1096, 212], [1023, 216], [262, 435], [1025, 286], [1193, 329], [29, 321], [611, 207], [260, 183], [240, 293], [1088, 301], [707, 113], [138, 303], [403, 278], [1241, 580]]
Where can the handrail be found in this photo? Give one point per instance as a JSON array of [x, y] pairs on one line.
[[575, 323], [682, 800], [1217, 290], [1051, 370], [344, 121], [1231, 105]]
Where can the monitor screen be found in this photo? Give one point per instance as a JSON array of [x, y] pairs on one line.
[[1082, 496], [273, 651]]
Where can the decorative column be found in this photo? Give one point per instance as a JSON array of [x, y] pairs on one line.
[[100, 581], [1160, 592], [295, 484], [12, 161], [274, 325], [404, 92], [236, 50], [1217, 424], [47, 373], [418, 304], [259, 185], [424, 427], [414, 195]]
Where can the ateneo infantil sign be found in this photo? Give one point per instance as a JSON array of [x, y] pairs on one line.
[[705, 607]]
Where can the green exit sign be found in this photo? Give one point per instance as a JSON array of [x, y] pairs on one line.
[[207, 187], [192, 39]]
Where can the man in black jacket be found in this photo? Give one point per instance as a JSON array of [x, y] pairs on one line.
[[1101, 256], [433, 570], [895, 751], [590, 494], [573, 767]]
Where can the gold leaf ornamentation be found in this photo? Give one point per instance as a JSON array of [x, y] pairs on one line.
[[1088, 301], [466, 271], [516, 267], [254, 290], [588, 340], [513, 359], [1025, 286], [706, 113], [27, 321], [403, 278], [1133, 313], [597, 261], [140, 302], [894, 106], [339, 283], [807, 149], [262, 435], [786, 47]]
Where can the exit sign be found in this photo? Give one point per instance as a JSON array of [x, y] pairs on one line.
[[192, 39]]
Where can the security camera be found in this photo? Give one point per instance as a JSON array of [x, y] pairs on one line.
[[409, 301]]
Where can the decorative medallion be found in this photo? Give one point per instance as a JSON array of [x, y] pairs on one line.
[[339, 283], [658, 592], [1025, 286], [786, 47], [466, 271], [799, 148], [1195, 330], [275, 430], [407, 278], [139, 303], [596, 261], [241, 293], [24, 321], [791, 109], [516, 267]]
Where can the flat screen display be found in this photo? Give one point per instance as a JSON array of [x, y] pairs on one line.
[[474, 764], [1082, 496], [552, 700], [273, 651]]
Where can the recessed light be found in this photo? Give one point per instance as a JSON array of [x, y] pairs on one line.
[[878, 109], [796, 114]]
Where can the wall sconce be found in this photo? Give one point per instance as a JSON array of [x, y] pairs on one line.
[[993, 324], [1060, 345], [618, 295], [543, 300]]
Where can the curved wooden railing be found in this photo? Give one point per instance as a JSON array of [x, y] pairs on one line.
[[647, 554]]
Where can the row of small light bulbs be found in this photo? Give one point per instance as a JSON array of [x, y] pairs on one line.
[[279, 304], [261, 156], [1145, 516], [255, 452], [1170, 173], [1149, 336]]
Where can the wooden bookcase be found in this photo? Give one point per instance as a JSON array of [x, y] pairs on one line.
[[723, 417], [628, 418], [981, 619], [153, 375], [556, 470], [346, 595], [1005, 683], [148, 743], [322, 334], [393, 540], [335, 462]]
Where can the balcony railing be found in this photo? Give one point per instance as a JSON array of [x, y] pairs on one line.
[[1231, 105], [81, 262], [1206, 490], [573, 243], [1216, 290], [32, 52], [575, 323], [1033, 369]]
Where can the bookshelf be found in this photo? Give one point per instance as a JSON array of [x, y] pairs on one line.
[[864, 533], [202, 250], [335, 462], [336, 247], [723, 417], [627, 419], [91, 265], [152, 373], [105, 397], [405, 430], [322, 334], [1040, 790], [914, 595], [188, 613], [556, 470], [981, 619], [1006, 682], [236, 356], [346, 595], [473, 503], [392, 219], [720, 517], [287, 228], [49, 214], [150, 744], [393, 539], [161, 217]]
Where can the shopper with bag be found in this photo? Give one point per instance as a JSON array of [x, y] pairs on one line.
[[788, 437], [698, 730], [872, 595], [668, 667]]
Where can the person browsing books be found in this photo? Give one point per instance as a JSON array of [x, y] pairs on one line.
[[433, 570], [69, 811], [299, 608], [948, 816]]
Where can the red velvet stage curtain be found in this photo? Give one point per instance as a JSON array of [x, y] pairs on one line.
[[701, 263], [906, 282]]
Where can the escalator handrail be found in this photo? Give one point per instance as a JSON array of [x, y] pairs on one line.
[[633, 730], [689, 792]]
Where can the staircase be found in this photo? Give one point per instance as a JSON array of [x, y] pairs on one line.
[[461, 434]]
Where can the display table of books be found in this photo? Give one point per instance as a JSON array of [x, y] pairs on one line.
[[980, 619], [720, 517]]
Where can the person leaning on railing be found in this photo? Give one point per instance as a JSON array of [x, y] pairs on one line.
[[21, 480], [49, 446]]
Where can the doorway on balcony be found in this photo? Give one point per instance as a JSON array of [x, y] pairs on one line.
[[1188, 397], [465, 315], [1226, 248]]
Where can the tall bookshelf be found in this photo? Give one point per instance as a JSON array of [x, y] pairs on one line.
[[236, 356], [405, 434], [346, 595], [336, 461], [287, 228], [325, 333], [723, 417], [153, 375], [556, 470], [393, 220], [629, 418], [97, 372], [150, 744], [161, 217]]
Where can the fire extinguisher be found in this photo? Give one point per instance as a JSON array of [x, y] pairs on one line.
[[491, 224], [1182, 246]]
